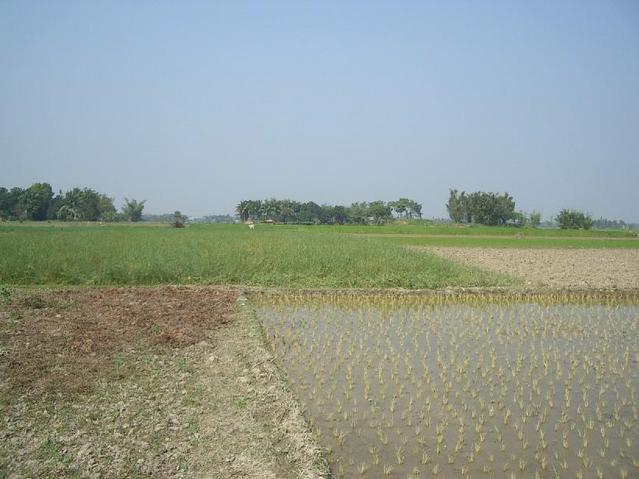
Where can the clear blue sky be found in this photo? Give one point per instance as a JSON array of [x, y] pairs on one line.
[[198, 105]]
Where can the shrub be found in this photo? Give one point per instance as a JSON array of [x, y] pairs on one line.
[[535, 219], [573, 219], [179, 220]]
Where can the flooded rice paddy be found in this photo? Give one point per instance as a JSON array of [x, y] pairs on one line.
[[478, 387]]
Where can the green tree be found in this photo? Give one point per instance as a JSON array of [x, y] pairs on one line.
[[573, 219], [249, 209], [407, 208], [107, 209], [380, 212], [288, 210], [482, 208], [270, 209], [535, 219], [11, 207], [358, 213], [132, 209], [519, 219], [455, 207], [604, 223], [414, 209], [242, 210], [36, 200], [334, 215], [84, 205], [400, 206], [310, 212]]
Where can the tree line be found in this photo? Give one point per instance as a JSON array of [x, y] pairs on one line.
[[491, 209], [495, 209], [605, 223], [573, 219], [290, 211], [38, 202]]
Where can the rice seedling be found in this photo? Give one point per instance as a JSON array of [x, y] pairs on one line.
[[517, 385]]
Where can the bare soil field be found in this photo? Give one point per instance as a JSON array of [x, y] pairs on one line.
[[60, 341], [556, 268], [143, 382]]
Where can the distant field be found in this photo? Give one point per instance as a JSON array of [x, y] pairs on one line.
[[483, 236], [496, 241], [472, 230], [271, 256]]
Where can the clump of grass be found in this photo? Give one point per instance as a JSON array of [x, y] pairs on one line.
[[5, 293]]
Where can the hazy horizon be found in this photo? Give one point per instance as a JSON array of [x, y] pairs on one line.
[[196, 106]]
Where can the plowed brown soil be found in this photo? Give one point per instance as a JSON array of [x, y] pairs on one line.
[[556, 268], [62, 340]]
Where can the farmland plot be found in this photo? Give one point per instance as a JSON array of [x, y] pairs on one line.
[[481, 387]]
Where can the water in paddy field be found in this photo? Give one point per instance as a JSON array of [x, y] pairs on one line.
[[412, 388]]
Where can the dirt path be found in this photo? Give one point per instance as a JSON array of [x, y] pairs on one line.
[[254, 428], [558, 268]]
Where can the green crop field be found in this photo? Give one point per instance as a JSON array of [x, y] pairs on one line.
[[426, 228], [273, 256], [479, 241]]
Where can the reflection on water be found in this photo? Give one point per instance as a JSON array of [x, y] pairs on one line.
[[413, 388]]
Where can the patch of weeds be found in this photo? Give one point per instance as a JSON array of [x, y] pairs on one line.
[[120, 366], [14, 316], [183, 364], [133, 472], [5, 293], [94, 415], [154, 329], [34, 301], [196, 395], [65, 414], [53, 450], [193, 425], [242, 401], [63, 305], [5, 401], [48, 406], [149, 360], [151, 364]]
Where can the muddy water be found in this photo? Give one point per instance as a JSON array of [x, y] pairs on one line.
[[410, 389]]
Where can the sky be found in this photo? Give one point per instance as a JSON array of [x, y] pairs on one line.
[[195, 106]]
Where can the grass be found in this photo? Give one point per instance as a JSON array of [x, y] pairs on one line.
[[270, 256], [476, 241], [425, 228]]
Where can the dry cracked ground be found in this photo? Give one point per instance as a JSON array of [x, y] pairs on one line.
[[554, 268]]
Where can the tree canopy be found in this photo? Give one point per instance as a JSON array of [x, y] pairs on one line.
[[132, 210], [38, 203], [573, 219], [290, 211], [482, 208]]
